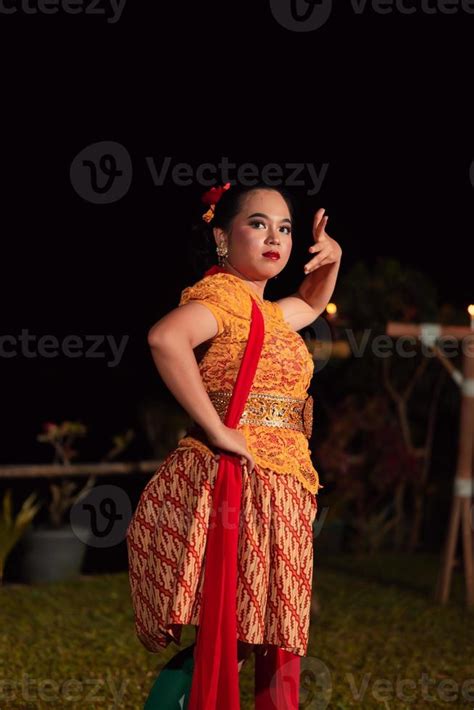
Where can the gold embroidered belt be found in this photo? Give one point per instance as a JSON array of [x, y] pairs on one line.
[[270, 410]]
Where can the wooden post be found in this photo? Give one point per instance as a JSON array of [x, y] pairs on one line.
[[462, 498], [460, 516]]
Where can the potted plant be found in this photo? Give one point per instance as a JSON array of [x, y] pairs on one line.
[[53, 551], [13, 528]]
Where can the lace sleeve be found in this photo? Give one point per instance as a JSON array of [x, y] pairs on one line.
[[214, 293]]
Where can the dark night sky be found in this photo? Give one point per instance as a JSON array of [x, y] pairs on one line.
[[383, 100]]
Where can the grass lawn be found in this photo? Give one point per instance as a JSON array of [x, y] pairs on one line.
[[73, 645]]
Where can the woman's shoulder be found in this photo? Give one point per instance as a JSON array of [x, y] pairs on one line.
[[219, 288], [212, 282], [230, 295]]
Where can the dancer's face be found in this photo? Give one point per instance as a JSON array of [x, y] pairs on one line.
[[262, 225]]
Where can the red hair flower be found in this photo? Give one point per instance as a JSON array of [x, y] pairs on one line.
[[212, 197]]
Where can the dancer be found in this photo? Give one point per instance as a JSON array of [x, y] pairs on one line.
[[222, 534]]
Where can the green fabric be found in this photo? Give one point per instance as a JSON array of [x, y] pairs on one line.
[[171, 689]]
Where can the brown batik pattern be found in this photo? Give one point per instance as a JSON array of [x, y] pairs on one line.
[[166, 541]]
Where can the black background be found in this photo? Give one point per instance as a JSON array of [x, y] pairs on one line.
[[383, 99]]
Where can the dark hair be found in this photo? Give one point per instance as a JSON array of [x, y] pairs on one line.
[[203, 245]]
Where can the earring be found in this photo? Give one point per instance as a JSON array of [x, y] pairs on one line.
[[221, 253]]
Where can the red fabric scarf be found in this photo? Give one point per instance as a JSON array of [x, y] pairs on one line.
[[215, 683]]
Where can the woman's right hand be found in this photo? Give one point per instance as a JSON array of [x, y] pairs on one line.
[[233, 441]]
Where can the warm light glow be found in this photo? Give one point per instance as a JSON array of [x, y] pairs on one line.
[[470, 309], [331, 308]]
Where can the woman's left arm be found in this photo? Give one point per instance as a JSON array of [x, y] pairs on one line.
[[316, 289]]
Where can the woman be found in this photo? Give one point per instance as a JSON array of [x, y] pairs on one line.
[[168, 535]]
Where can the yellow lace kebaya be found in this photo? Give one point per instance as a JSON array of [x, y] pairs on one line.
[[285, 368]]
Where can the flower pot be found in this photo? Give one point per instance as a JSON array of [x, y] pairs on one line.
[[52, 554]]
